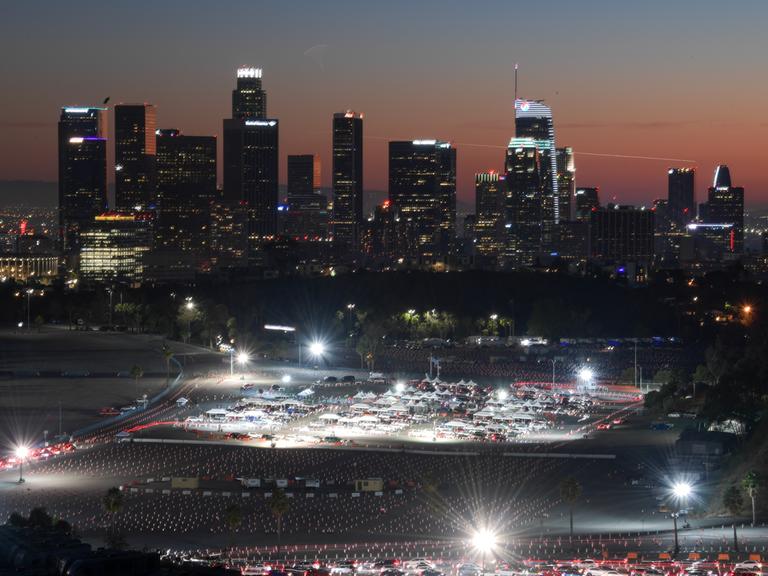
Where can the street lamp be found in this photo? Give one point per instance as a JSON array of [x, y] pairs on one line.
[[21, 453], [30, 291]]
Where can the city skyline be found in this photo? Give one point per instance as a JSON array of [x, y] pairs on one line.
[[651, 114]]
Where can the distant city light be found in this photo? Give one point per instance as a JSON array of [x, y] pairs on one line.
[[249, 72], [279, 328]]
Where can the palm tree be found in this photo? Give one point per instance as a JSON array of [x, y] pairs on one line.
[[570, 492], [279, 506], [113, 502], [136, 373], [751, 484], [733, 500], [233, 515]]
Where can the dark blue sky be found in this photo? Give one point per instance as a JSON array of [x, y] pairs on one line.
[[683, 80]]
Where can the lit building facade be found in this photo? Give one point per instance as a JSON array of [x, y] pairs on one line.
[[725, 205], [490, 196], [422, 190], [186, 191], [533, 120], [114, 247], [524, 202], [24, 268], [135, 156], [566, 182], [347, 178], [249, 100], [585, 201], [681, 196]]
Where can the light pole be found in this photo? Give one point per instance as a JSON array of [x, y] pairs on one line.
[[484, 541], [317, 349], [586, 375], [554, 361], [21, 453], [30, 291], [243, 358], [680, 491], [190, 306], [109, 291], [350, 307]]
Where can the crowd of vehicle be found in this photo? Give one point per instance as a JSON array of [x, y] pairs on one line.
[[426, 410], [423, 566]]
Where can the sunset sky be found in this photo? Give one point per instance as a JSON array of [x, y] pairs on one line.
[[664, 79]]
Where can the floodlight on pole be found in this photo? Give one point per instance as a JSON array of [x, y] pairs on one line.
[[400, 387], [682, 490], [21, 453], [484, 541], [502, 394], [586, 374], [285, 379], [317, 349], [243, 357]]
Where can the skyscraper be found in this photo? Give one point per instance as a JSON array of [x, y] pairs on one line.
[[135, 156], [82, 172], [251, 156], [585, 201], [490, 195], [622, 234], [347, 219], [186, 189], [422, 189], [534, 120], [307, 209], [566, 182], [249, 100], [681, 196], [524, 202], [725, 205], [303, 176]]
